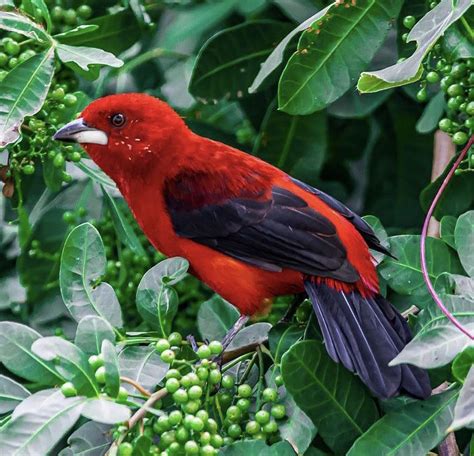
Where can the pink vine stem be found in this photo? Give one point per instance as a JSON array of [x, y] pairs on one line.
[[424, 232]]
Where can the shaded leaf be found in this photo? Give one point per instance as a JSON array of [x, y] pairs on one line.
[[456, 45], [411, 430], [250, 335], [426, 32], [454, 284], [105, 411], [111, 365], [83, 263], [464, 238], [282, 337], [433, 112], [215, 317], [14, 22], [91, 332], [84, 56], [446, 230], [464, 410], [336, 401], [463, 363], [254, 447], [312, 78], [381, 234], [91, 439], [11, 394]]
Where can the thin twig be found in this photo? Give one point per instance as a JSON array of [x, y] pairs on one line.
[[143, 410], [136, 385]]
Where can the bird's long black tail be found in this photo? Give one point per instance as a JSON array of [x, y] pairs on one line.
[[365, 334]]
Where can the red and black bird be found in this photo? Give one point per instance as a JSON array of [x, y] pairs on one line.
[[250, 231]]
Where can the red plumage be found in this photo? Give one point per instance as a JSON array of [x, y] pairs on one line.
[[252, 233]]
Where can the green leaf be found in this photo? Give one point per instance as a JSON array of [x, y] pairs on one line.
[[297, 10], [113, 32], [404, 274], [437, 340], [83, 263], [464, 238], [91, 332], [381, 234], [426, 32], [16, 354], [84, 56], [142, 364], [257, 447], [112, 372], [11, 394], [464, 410], [454, 284], [456, 45], [295, 144], [76, 31], [95, 174], [433, 112], [157, 302], [14, 22], [276, 57], [412, 430], [37, 431], [122, 227], [229, 61], [335, 400], [463, 363], [446, 229], [73, 364], [282, 337], [252, 335], [22, 93], [41, 10], [313, 78], [215, 317], [90, 439], [105, 411]]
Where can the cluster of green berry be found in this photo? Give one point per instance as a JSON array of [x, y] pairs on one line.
[[456, 80], [65, 19]]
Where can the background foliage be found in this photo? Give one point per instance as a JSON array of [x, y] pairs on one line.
[[345, 96]]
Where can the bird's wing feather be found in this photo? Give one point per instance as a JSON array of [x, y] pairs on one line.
[[271, 232]]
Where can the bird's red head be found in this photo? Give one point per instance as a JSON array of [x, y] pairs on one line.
[[125, 131]]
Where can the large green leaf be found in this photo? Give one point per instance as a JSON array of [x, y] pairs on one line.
[[456, 45], [454, 284], [142, 364], [337, 402], [83, 263], [332, 53], [157, 301], [91, 332], [464, 410], [228, 63], [70, 361], [462, 364], [14, 22], [17, 356], [434, 110], [105, 411], [296, 144], [446, 230], [84, 56], [22, 93], [404, 273], [11, 394], [90, 439], [464, 238], [426, 32], [282, 337], [257, 447], [437, 340], [112, 370], [412, 430], [215, 317], [38, 429]]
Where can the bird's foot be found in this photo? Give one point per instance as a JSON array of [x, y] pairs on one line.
[[192, 341]]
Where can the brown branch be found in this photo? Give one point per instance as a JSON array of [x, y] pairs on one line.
[[142, 411], [136, 385]]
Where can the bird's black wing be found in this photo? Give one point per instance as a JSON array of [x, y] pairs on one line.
[[274, 233]]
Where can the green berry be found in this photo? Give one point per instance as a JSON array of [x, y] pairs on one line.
[[409, 22], [122, 395], [269, 395], [278, 411], [70, 17], [432, 77], [3, 59], [56, 13], [445, 124], [100, 375], [69, 217], [234, 431], [125, 449], [12, 63], [175, 417], [180, 396], [470, 108], [182, 434], [3, 74], [195, 392], [278, 380], [243, 404], [262, 417], [168, 356], [252, 428], [58, 161], [217, 441], [244, 390], [453, 104], [204, 352], [28, 169], [12, 48], [469, 123], [271, 427], [95, 361], [162, 345], [197, 424], [234, 413], [84, 11], [70, 99], [203, 415], [460, 138], [173, 373], [191, 447], [446, 82], [24, 56], [214, 376], [58, 94], [458, 70], [202, 373], [192, 406], [216, 347], [455, 90], [68, 389], [228, 381], [175, 339], [225, 399], [208, 450], [76, 157], [172, 385], [422, 95], [167, 438]]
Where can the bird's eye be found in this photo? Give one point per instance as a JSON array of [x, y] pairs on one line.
[[117, 120]]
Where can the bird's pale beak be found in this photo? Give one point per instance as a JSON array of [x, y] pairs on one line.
[[78, 131]]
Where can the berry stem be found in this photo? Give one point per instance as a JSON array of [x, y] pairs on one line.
[[136, 385], [424, 232]]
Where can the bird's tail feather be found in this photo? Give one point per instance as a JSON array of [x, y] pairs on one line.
[[365, 334]]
